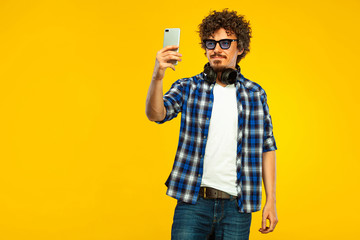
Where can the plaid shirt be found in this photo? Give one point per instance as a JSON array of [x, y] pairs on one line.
[[193, 97]]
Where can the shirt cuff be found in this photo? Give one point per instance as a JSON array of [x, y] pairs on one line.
[[269, 144], [166, 115]]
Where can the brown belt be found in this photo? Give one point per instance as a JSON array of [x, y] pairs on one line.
[[212, 193]]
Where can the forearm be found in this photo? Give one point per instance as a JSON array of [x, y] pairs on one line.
[[269, 175], [155, 110]]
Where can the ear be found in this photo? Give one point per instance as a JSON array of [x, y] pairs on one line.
[[240, 52]]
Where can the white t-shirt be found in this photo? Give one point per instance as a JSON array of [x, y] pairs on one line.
[[220, 152]]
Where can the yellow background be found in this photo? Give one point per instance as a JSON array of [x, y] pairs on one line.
[[80, 160]]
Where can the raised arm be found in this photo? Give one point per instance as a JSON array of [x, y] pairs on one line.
[[155, 109]]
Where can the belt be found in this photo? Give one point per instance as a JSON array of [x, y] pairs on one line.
[[212, 193]]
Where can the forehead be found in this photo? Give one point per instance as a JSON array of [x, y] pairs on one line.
[[221, 33]]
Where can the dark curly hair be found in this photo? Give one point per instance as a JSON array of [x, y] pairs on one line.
[[232, 23]]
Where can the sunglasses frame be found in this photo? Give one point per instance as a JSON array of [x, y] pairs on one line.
[[216, 42]]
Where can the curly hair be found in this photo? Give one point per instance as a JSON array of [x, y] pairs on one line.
[[232, 23]]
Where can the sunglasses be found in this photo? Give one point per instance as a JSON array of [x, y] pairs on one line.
[[224, 43]]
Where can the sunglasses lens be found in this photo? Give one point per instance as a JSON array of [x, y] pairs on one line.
[[210, 44], [225, 44]]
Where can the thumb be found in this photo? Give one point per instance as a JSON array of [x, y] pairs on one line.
[[264, 222]]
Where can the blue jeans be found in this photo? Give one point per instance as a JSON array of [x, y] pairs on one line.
[[210, 219]]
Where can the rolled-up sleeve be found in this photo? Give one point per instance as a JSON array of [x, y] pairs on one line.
[[173, 100], [269, 143]]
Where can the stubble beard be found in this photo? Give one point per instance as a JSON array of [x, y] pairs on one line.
[[217, 67]]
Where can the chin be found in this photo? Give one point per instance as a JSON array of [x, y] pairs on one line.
[[217, 66]]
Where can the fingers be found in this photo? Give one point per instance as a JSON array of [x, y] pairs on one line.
[[269, 213], [265, 229], [169, 51], [166, 58], [272, 225], [170, 47], [264, 223], [170, 65], [171, 56]]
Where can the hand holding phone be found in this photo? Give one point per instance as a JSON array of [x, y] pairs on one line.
[[169, 55]]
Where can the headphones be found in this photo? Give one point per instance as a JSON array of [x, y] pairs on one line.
[[228, 76]]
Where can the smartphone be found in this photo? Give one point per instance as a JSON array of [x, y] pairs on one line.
[[172, 37]]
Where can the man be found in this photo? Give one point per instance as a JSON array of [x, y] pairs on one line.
[[226, 145]]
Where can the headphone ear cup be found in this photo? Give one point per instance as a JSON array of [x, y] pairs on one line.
[[229, 76], [210, 74]]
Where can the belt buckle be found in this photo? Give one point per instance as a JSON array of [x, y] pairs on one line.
[[204, 192]]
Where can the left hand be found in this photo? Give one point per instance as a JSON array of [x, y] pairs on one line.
[[269, 212]]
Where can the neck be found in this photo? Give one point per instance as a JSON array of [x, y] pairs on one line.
[[218, 80]]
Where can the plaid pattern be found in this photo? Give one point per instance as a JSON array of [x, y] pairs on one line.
[[193, 97]]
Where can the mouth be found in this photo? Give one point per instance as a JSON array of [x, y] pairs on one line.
[[217, 57]]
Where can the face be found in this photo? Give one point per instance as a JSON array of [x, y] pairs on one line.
[[223, 58]]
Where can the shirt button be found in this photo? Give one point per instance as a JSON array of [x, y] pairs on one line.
[[199, 175], [207, 118], [201, 156], [210, 101], [204, 137]]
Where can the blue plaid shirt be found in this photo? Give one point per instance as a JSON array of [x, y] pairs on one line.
[[193, 97]]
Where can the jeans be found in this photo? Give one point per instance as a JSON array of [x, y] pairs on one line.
[[210, 219]]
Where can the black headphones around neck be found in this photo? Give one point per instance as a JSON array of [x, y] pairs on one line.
[[228, 76]]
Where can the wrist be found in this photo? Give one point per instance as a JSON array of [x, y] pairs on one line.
[[270, 199], [157, 77]]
